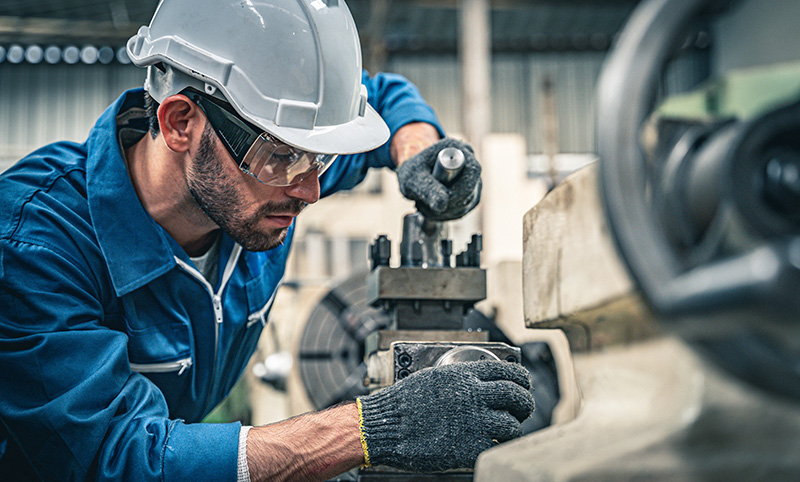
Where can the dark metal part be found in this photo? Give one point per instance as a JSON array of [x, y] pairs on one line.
[[429, 354], [381, 251], [428, 315], [438, 284], [423, 235], [474, 249], [426, 298]]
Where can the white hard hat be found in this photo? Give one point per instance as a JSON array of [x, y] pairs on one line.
[[291, 67]]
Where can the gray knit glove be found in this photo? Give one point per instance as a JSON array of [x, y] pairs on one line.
[[434, 200], [443, 418]]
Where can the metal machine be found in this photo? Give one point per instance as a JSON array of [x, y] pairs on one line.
[[427, 301], [377, 328]]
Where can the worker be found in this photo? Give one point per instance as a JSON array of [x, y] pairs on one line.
[[138, 268]]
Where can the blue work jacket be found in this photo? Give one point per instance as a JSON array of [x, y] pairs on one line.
[[112, 344]]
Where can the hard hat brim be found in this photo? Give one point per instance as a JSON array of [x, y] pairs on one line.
[[362, 134]]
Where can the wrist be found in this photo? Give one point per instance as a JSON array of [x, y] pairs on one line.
[[311, 447], [411, 139]]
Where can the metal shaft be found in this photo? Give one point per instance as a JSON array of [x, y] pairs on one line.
[[448, 165]]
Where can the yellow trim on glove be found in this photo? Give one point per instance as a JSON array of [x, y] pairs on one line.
[[361, 430]]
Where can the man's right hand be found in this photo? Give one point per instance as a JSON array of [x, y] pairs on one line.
[[443, 418]]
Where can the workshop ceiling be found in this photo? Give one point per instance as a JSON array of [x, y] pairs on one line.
[[414, 26]]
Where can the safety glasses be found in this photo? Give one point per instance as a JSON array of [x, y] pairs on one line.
[[257, 153]]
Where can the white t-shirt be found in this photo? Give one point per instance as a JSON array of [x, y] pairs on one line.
[[208, 263]]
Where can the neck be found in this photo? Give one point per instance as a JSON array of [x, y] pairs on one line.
[[158, 176]]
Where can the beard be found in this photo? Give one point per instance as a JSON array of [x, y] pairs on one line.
[[217, 195]]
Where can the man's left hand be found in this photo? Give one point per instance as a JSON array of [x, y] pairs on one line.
[[434, 200]]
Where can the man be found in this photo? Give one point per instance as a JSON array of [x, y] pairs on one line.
[[138, 268]]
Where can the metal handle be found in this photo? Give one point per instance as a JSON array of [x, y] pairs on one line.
[[449, 163]]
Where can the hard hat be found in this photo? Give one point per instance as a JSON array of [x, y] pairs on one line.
[[291, 67]]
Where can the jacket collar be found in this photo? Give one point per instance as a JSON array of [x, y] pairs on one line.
[[136, 249]]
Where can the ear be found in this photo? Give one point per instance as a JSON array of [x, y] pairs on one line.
[[181, 122]]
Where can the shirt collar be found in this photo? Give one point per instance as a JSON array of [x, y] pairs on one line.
[[136, 249]]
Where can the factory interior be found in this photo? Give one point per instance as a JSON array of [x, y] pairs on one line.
[[636, 247]]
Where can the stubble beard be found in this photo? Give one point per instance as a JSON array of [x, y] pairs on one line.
[[217, 195]]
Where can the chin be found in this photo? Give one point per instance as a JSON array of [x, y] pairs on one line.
[[261, 240]]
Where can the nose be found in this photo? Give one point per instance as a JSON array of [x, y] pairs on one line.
[[306, 190]]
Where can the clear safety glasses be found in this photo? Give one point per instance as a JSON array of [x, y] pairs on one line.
[[257, 153]]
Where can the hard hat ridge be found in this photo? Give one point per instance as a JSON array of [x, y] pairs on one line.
[[292, 67]]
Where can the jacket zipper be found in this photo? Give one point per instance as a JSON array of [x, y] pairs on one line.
[[166, 367], [259, 315], [216, 302]]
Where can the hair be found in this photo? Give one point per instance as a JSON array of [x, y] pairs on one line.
[[151, 109]]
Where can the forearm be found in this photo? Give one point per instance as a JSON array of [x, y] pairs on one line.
[[312, 447], [411, 139]]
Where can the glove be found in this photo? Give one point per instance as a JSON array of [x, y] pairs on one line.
[[434, 200], [443, 418]]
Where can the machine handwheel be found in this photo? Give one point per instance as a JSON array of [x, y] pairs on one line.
[[714, 258]]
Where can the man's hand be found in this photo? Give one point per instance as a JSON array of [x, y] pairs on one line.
[[443, 418], [434, 200]]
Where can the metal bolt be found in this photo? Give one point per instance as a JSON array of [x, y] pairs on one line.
[[404, 360], [381, 251], [447, 251], [474, 249]]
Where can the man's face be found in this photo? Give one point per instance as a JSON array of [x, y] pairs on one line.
[[254, 215]]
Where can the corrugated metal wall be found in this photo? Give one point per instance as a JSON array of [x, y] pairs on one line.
[[517, 81], [44, 103]]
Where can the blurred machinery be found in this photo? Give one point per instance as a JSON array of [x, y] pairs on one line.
[[706, 209], [688, 226]]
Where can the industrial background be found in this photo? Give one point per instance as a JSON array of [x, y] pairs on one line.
[[529, 82], [516, 78], [62, 62]]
